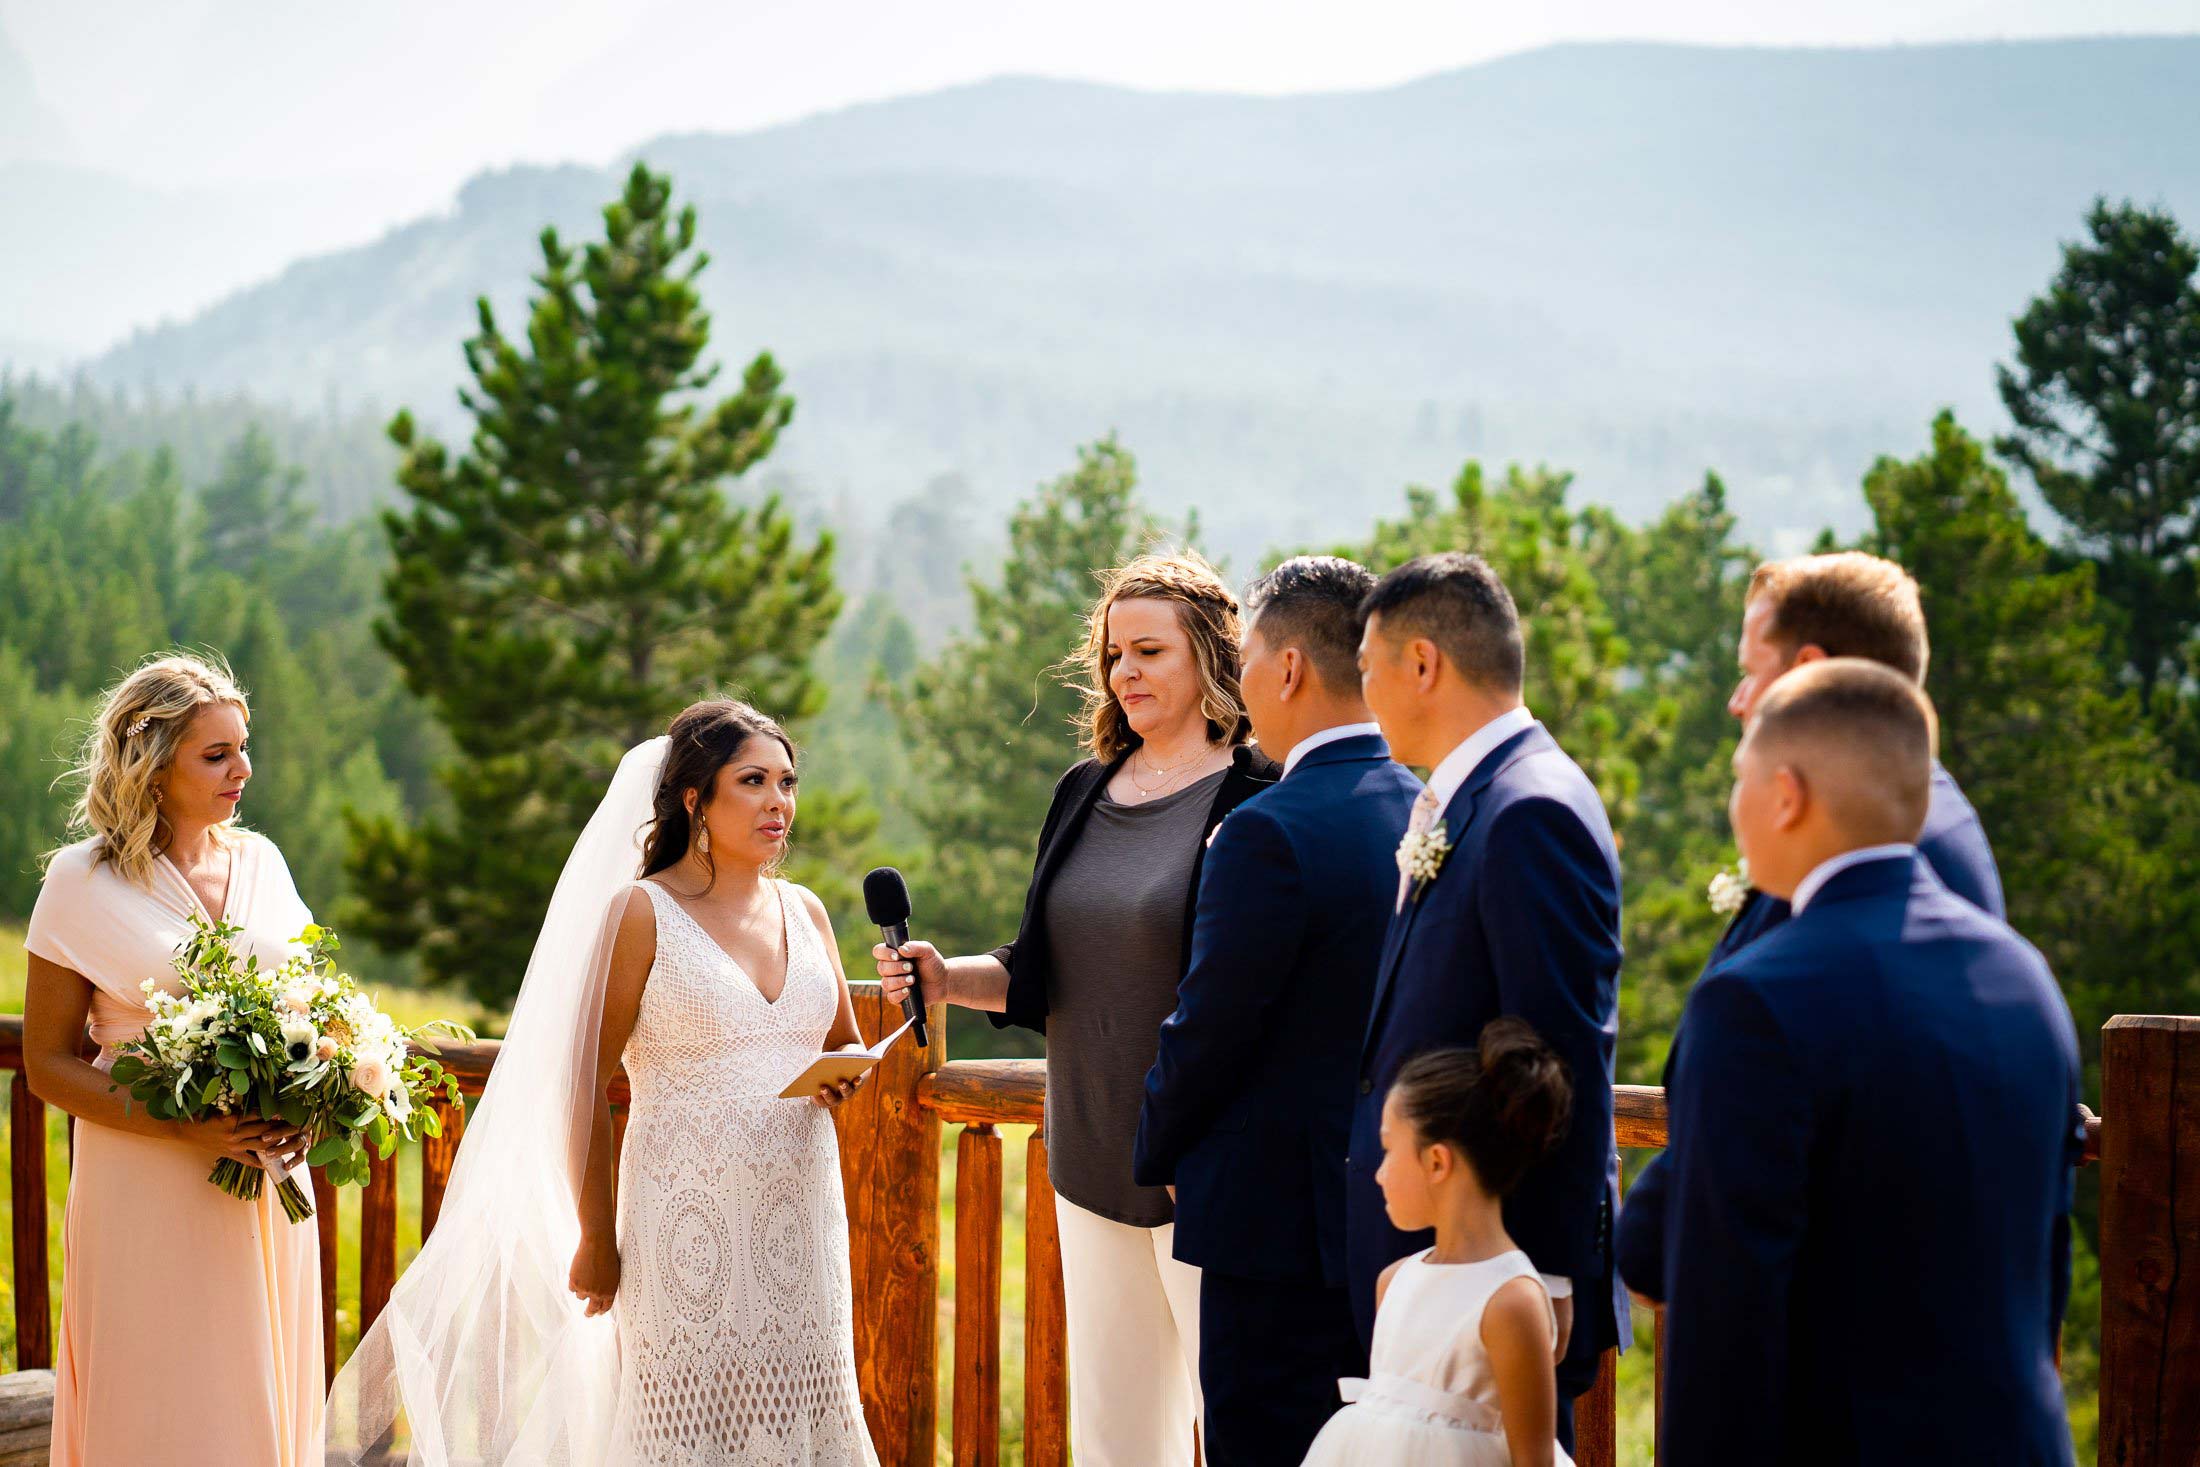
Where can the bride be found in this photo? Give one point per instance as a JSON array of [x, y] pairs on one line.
[[689, 1302]]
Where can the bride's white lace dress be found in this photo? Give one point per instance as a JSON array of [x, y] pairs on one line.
[[736, 1335]]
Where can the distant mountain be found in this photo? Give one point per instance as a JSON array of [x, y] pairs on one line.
[[1636, 261], [29, 129]]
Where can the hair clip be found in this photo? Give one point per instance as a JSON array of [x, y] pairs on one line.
[[137, 728]]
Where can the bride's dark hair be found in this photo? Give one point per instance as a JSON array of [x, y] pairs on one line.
[[704, 739]]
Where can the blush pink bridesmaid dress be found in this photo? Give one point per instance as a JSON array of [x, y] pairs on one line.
[[190, 1321]]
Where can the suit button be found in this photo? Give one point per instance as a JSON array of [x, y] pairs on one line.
[[1367, 1087]]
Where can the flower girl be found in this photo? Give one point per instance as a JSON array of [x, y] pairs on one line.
[[1462, 1373]]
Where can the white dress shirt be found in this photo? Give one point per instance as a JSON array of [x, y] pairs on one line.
[[1444, 781], [1827, 869], [1446, 778], [1329, 735]]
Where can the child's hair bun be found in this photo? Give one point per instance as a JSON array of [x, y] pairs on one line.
[[1505, 1104], [1527, 1082]]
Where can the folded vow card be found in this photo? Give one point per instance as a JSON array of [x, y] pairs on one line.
[[836, 1065]]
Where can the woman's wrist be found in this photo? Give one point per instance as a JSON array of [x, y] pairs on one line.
[[977, 982]]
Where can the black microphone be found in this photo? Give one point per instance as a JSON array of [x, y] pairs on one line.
[[886, 898]]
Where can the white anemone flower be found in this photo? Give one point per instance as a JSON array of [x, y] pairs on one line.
[[299, 1039]]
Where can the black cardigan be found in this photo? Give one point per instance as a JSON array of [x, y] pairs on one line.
[[1030, 966]]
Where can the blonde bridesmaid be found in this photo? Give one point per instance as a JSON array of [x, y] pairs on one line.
[[190, 1321]]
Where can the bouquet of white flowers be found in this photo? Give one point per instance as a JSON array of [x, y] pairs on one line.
[[300, 1043]]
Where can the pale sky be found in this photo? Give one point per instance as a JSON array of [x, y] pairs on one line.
[[403, 99]]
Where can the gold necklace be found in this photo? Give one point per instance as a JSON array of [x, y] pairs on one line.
[[1168, 772]]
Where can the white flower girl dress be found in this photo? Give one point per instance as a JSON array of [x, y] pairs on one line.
[[1431, 1398]]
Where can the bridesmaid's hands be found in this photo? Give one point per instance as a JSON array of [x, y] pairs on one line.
[[595, 1276], [247, 1138]]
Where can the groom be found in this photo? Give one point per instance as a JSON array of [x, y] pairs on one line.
[[1520, 917], [1248, 1104], [1873, 1128]]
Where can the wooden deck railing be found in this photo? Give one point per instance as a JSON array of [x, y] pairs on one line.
[[2148, 1147]]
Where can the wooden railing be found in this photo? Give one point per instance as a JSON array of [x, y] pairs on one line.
[[2148, 1148]]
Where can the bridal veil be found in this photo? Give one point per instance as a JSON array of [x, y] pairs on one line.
[[482, 1355]]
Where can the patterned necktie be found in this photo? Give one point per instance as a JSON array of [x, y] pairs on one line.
[[1424, 815]]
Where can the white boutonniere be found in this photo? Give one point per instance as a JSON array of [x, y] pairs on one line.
[[1421, 856], [1729, 889]]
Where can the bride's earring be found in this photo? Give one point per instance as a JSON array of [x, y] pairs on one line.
[[702, 837]]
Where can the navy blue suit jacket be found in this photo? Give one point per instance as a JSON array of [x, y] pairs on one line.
[[1873, 1143], [1954, 844], [1248, 1105], [1523, 919]]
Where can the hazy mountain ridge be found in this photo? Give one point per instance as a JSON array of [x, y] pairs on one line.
[[1638, 261]]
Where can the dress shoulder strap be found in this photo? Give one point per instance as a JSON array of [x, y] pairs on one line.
[[658, 896], [794, 914], [1502, 1270]]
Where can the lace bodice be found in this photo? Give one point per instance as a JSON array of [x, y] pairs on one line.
[[735, 1324], [705, 1034]]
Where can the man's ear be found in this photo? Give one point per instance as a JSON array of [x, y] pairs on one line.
[[1294, 673], [1791, 796], [1808, 652], [1425, 662]]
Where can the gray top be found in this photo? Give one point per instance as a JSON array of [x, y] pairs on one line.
[[1115, 930]]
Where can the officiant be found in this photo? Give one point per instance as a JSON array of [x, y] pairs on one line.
[[1094, 966]]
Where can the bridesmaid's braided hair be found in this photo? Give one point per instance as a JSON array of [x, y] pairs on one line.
[[132, 741], [704, 739], [1504, 1104]]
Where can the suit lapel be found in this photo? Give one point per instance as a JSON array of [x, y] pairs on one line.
[[1457, 821]]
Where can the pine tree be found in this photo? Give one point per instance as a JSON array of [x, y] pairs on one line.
[[1575, 655], [2105, 398], [990, 724], [564, 586], [2094, 830], [252, 510], [1676, 585]]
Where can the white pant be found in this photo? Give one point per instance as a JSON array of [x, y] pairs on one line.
[[1133, 1342]]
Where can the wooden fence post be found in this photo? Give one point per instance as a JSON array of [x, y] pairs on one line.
[[438, 1154], [890, 1164], [977, 1393], [377, 1240], [2150, 1242], [324, 1220], [1046, 1325], [27, 1191]]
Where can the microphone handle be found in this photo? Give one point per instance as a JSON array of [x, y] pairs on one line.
[[912, 1003]]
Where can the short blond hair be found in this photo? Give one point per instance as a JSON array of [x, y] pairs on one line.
[[1848, 604], [1208, 612], [1861, 734], [132, 742]]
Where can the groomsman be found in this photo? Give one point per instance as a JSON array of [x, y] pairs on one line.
[[1521, 916], [1248, 1105], [1798, 612], [1873, 1128]]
